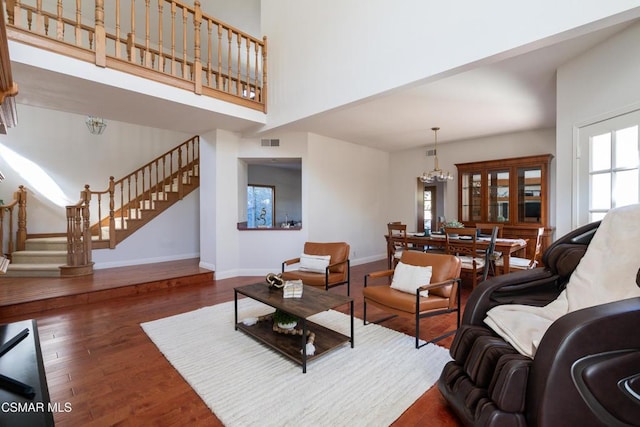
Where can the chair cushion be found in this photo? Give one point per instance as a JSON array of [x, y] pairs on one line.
[[407, 278], [467, 262], [314, 263], [402, 301], [312, 279]]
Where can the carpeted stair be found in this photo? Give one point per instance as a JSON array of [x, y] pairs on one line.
[[42, 257]]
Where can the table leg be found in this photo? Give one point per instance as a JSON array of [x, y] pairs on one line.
[[505, 263], [351, 310], [304, 346], [235, 310]]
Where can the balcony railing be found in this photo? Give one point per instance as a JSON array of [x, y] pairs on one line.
[[161, 40]]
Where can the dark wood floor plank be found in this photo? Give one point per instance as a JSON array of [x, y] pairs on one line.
[[98, 358]]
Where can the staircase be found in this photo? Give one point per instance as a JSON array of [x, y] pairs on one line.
[[126, 206], [42, 257]]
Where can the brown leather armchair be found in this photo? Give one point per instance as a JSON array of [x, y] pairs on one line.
[[335, 274], [443, 292], [586, 371]]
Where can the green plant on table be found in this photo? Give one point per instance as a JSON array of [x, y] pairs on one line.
[[283, 318]]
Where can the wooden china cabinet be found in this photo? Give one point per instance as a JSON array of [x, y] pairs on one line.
[[513, 192]]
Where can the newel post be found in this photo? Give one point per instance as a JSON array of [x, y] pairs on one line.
[[101, 39], [112, 217], [86, 225], [21, 234]]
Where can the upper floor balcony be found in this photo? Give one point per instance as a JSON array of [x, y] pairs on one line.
[[165, 41]]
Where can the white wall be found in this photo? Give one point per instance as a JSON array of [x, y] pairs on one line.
[[344, 198], [406, 166], [597, 85], [351, 50], [61, 148]]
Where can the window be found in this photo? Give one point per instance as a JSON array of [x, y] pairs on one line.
[[260, 206], [608, 159]]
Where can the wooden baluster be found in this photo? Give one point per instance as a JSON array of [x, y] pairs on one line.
[[39, 18], [112, 220], [160, 47], [46, 25], [2, 209], [248, 70], [185, 66], [164, 171], [21, 238], [59, 22], [228, 76], [173, 38], [197, 61], [29, 19], [181, 170], [118, 49], [239, 81], [101, 37], [263, 92], [78, 33], [209, 51], [10, 7], [11, 243], [147, 35], [131, 36], [219, 76], [256, 70], [91, 41]]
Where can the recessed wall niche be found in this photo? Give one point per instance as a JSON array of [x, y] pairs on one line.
[[284, 175]]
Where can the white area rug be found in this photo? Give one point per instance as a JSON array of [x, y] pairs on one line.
[[247, 384]]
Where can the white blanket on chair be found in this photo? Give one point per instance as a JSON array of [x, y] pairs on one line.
[[606, 273]]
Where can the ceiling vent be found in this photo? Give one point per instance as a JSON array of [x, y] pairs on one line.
[[431, 152], [270, 142]]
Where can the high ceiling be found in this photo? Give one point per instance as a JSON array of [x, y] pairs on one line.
[[509, 95]]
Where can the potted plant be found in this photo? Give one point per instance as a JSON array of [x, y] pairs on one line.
[[284, 320], [452, 224]]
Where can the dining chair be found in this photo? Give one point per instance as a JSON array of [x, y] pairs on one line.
[[396, 242], [462, 242], [517, 263], [489, 254], [487, 228]]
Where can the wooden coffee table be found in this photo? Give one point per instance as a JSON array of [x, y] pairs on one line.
[[313, 301]]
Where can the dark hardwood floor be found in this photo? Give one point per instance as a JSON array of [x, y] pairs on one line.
[[98, 359]]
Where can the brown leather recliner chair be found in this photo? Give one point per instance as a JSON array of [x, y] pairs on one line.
[[586, 371]]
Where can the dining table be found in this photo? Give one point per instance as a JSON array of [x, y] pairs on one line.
[[507, 247]]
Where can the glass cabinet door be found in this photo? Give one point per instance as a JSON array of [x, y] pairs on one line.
[[529, 194], [498, 195], [471, 197]]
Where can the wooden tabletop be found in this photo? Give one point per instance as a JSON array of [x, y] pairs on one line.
[[313, 300]]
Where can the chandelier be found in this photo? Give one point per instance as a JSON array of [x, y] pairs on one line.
[[96, 125], [437, 174]]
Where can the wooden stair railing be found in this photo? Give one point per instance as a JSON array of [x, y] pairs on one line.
[[186, 49], [130, 202], [16, 212]]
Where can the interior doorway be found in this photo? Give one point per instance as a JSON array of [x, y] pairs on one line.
[[430, 205]]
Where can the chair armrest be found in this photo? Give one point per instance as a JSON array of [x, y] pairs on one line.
[[600, 330], [537, 286], [289, 262], [437, 285], [377, 275]]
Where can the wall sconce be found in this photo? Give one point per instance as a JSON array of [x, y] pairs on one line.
[[96, 125]]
